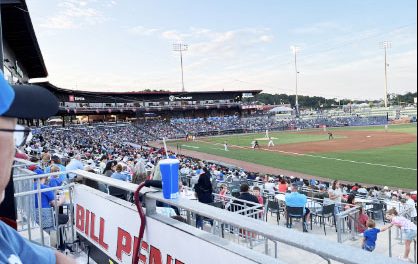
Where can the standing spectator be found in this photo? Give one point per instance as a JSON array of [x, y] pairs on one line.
[[408, 228], [410, 207], [204, 191], [335, 195]]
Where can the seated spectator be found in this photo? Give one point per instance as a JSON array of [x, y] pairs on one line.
[[370, 236], [110, 168], [282, 187], [119, 174], [103, 163], [322, 194], [56, 161], [47, 201], [361, 225], [256, 193], [269, 185], [75, 164], [54, 180], [295, 199]]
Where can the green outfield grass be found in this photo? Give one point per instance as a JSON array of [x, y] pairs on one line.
[[349, 166]]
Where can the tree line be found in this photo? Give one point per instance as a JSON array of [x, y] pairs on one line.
[[316, 102]]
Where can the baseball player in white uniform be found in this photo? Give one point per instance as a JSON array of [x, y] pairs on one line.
[[271, 143]]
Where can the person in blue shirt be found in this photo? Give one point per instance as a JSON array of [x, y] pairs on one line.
[[295, 199], [75, 164], [26, 103], [56, 161], [119, 175], [370, 236], [54, 180], [48, 200]]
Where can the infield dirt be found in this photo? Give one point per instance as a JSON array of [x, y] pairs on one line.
[[352, 140]]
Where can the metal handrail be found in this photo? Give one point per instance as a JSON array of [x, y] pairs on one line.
[[326, 249]]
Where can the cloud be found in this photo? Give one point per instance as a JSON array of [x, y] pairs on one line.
[[143, 31], [219, 44], [74, 14]]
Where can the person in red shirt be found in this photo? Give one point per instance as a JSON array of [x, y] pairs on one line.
[[256, 193], [283, 186], [361, 226]]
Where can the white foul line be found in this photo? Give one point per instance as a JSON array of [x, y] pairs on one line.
[[321, 157]]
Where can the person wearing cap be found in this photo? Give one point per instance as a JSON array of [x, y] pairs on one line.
[[295, 199], [21, 102]]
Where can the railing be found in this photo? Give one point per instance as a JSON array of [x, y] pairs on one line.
[[31, 218], [346, 224], [245, 231], [239, 224], [147, 108]]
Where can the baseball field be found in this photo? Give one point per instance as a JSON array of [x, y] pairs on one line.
[[369, 155]]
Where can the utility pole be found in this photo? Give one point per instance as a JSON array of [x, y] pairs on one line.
[[179, 47]]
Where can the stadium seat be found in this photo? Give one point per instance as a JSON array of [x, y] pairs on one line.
[[295, 212], [326, 211], [274, 208]]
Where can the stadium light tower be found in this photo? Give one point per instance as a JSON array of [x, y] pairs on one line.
[[295, 51], [179, 47], [386, 45]]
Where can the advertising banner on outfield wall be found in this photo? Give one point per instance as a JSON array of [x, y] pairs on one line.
[[112, 226]]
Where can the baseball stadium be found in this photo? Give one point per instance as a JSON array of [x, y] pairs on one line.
[[247, 153]]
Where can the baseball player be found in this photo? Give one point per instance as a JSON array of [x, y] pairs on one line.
[[226, 146], [256, 145], [330, 135], [271, 143]]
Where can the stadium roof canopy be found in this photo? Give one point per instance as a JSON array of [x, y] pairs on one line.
[[67, 95], [19, 33]]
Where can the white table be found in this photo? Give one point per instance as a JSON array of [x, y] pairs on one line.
[[280, 197], [189, 194]]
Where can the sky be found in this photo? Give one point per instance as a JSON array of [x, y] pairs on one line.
[[127, 45]]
